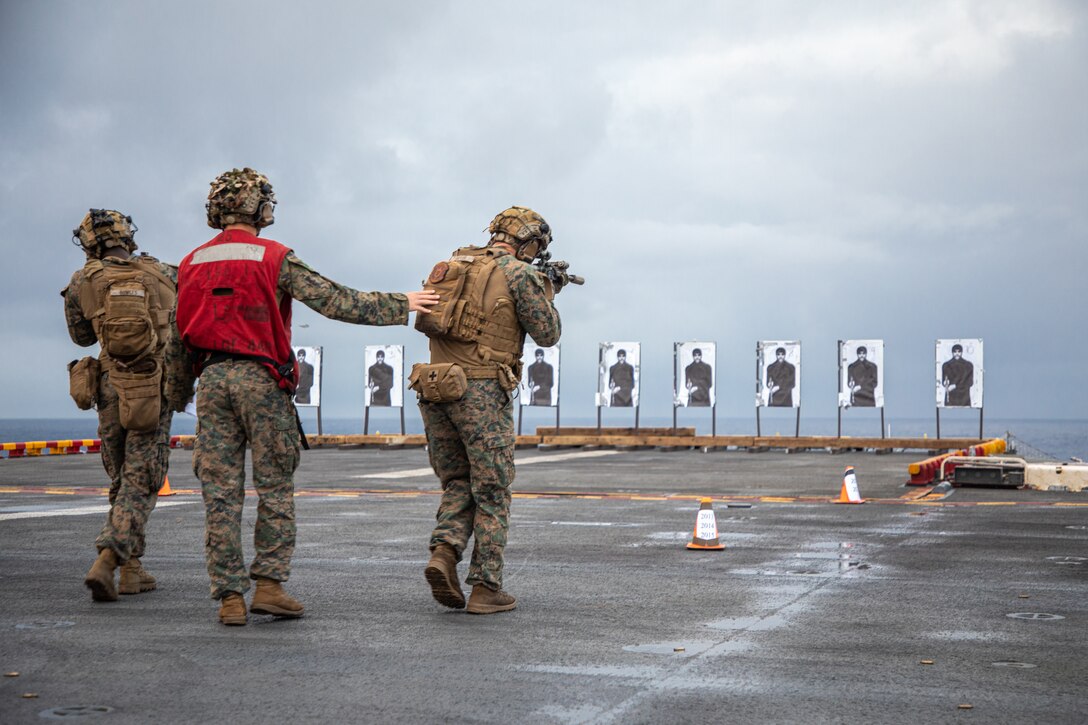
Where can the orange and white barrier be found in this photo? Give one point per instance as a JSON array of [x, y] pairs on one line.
[[39, 448], [929, 471], [58, 447]]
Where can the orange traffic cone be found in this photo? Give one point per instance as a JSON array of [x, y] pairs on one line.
[[849, 492], [165, 490], [705, 536]]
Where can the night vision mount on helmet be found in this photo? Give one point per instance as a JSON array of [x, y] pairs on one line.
[[241, 197], [102, 229], [522, 228]]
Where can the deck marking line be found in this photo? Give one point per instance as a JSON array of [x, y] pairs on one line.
[[413, 472], [78, 511]]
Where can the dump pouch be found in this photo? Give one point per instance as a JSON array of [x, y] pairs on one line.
[[83, 382], [438, 383], [140, 394]]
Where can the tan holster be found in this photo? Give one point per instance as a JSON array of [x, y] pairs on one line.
[[438, 383], [83, 382], [140, 395]]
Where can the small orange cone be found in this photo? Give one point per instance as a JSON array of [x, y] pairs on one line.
[[165, 490], [705, 536], [849, 492]]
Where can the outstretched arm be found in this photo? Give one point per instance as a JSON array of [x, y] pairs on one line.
[[338, 302]]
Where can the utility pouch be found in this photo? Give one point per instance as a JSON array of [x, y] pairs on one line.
[[448, 280], [127, 329], [438, 383], [140, 396], [83, 382]]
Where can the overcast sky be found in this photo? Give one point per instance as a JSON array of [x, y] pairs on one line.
[[726, 171]]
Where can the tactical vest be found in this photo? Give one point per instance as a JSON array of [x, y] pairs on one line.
[[229, 303], [128, 303], [475, 322]]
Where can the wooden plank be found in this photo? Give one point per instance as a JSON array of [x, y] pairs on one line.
[[592, 431], [317, 441], [845, 443]]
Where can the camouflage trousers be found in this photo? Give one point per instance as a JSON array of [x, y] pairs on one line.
[[136, 464], [238, 402], [471, 447]]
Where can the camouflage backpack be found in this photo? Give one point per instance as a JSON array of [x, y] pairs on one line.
[[129, 304]]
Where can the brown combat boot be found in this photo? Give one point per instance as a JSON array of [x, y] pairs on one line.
[[100, 577], [232, 610], [441, 573], [134, 578], [271, 599], [488, 601]]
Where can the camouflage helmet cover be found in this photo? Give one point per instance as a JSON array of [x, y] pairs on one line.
[[523, 228], [241, 197], [102, 229]]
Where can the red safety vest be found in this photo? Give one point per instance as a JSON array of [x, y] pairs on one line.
[[227, 303]]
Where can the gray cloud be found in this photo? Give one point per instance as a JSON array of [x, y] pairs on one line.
[[722, 171]]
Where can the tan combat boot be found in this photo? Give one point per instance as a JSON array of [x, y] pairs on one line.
[[271, 599], [100, 577], [488, 601], [232, 610], [134, 578], [441, 573]]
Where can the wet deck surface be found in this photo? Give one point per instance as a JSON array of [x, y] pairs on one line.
[[815, 612]]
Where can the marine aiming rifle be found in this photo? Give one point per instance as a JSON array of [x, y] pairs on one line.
[[557, 271]]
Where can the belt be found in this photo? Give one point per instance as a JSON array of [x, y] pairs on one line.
[[482, 372], [217, 357]]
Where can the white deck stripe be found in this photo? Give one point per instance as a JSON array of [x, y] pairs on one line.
[[413, 472], [79, 511]]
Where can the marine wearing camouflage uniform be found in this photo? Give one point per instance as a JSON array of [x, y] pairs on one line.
[[239, 402], [471, 440], [135, 461], [234, 312]]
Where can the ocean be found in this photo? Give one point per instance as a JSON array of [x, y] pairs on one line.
[[1036, 439]]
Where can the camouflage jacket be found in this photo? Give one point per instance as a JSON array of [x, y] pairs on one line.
[[337, 302], [533, 299]]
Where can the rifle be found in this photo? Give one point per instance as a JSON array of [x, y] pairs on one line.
[[557, 271]]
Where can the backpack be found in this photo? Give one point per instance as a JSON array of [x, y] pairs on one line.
[[466, 312], [129, 306]]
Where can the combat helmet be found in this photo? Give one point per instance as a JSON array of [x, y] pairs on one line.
[[102, 229], [522, 228], [241, 197]]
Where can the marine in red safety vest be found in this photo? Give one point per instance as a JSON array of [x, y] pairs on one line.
[[234, 315]]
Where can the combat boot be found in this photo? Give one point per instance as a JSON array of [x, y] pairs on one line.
[[232, 610], [489, 601], [134, 578], [441, 573], [271, 599], [100, 577]]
